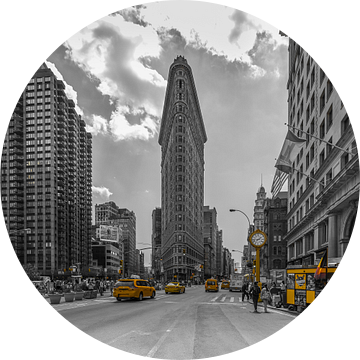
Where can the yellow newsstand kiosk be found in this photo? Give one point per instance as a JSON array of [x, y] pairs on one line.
[[301, 286]]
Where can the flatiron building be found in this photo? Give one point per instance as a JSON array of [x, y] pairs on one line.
[[182, 137]]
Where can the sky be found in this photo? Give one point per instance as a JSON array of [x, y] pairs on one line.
[[116, 70]]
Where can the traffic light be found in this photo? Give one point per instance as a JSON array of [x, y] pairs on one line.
[[184, 251], [254, 262], [121, 263]]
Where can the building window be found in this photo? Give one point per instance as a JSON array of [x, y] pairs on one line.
[[329, 89], [329, 177], [322, 157], [322, 101], [329, 118], [322, 129]]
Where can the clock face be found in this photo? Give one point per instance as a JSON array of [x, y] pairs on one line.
[[258, 239]]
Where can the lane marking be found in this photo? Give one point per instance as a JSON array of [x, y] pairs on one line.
[[231, 299], [223, 299], [215, 298]]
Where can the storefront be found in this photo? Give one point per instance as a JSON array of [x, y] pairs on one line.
[[301, 286]]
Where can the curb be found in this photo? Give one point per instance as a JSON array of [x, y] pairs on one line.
[[279, 309]]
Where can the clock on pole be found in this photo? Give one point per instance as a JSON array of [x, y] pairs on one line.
[[257, 240]]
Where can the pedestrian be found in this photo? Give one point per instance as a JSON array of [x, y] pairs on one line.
[[282, 286], [265, 296], [244, 291], [101, 288], [255, 292], [111, 287]]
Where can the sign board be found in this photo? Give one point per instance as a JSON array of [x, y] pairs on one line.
[[109, 233]]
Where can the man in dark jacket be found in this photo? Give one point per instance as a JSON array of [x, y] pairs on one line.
[[244, 291], [255, 292]]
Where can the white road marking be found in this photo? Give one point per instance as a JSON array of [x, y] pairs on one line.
[[215, 298], [223, 299], [231, 299]]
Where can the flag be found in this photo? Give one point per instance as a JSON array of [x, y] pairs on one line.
[[322, 264], [291, 147], [279, 180]]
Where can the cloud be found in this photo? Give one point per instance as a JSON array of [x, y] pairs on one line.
[[69, 90], [114, 51], [98, 125], [122, 129], [267, 54], [241, 25], [102, 191]]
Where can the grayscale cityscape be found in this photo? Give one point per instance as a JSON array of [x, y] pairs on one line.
[[179, 180]]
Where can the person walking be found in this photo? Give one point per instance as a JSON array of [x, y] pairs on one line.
[[265, 296], [101, 287], [255, 292], [111, 287], [244, 292]]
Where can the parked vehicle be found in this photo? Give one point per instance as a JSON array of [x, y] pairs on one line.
[[236, 282]]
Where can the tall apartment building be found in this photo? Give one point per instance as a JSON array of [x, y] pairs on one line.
[[324, 179], [182, 137], [46, 168]]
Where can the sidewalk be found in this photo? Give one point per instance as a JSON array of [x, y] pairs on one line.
[[276, 308], [106, 294]]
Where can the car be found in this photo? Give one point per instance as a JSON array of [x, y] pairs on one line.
[[133, 289], [211, 285], [225, 284], [174, 287]]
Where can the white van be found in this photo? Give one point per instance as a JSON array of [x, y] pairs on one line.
[[236, 282]]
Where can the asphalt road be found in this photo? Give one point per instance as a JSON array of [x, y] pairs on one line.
[[193, 325]]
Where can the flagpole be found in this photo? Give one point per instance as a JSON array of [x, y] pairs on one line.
[[308, 176], [326, 142]]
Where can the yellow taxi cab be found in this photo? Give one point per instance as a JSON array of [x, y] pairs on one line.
[[225, 284], [174, 287], [133, 289], [211, 285]]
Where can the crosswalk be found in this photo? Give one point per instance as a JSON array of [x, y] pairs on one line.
[[226, 299]]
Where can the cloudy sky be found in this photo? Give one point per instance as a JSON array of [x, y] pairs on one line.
[[116, 70]]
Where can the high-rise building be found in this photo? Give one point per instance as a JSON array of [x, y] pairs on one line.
[[210, 233], [156, 260], [323, 184], [46, 168], [219, 250], [182, 137]]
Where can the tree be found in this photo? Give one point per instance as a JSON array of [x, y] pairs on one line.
[[31, 272]]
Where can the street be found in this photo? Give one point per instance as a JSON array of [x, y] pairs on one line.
[[192, 325]]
